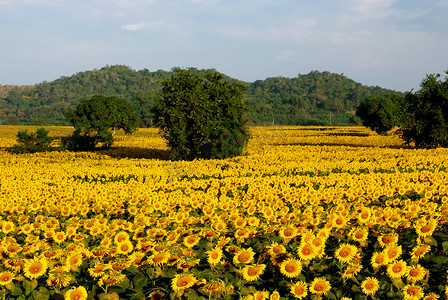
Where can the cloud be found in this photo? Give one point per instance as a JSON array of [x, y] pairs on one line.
[[287, 55], [376, 9], [294, 31], [134, 27]]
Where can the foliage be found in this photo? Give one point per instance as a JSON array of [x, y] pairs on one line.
[[202, 116], [307, 99], [97, 119], [427, 114], [381, 114], [38, 141]]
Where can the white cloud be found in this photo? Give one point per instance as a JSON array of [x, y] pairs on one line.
[[134, 27], [376, 8], [287, 55], [295, 31]]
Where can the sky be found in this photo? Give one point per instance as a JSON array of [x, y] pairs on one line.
[[388, 43]]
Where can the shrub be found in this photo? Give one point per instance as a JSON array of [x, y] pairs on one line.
[[38, 141]]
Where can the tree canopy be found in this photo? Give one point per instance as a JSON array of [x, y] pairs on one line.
[[381, 114], [202, 116], [426, 124], [97, 119]]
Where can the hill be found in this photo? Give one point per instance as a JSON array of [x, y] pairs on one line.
[[317, 98]]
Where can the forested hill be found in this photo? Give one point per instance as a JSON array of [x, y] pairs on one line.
[[312, 99]]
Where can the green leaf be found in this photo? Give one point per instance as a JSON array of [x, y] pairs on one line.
[[29, 286], [139, 281], [14, 289], [430, 241], [445, 246], [41, 294], [332, 296]]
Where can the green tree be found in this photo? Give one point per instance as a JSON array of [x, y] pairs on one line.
[[38, 141], [202, 115], [97, 119], [381, 114], [426, 123]]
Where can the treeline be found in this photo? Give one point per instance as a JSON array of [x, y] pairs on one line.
[[317, 98]]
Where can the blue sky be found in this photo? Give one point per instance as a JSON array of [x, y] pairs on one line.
[[389, 43]]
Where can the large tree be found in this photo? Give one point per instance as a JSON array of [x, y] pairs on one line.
[[426, 123], [97, 119], [202, 115], [381, 114]]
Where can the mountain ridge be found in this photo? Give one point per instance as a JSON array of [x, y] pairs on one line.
[[308, 99]]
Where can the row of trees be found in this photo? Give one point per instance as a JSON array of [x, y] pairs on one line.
[[422, 115]]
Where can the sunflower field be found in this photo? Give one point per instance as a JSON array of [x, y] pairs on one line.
[[305, 213]]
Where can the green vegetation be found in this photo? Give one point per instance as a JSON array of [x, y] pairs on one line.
[[381, 114], [33, 142], [202, 116], [96, 121], [317, 98], [426, 124]]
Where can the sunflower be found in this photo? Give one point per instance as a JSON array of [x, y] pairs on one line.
[[291, 268], [320, 286], [12, 249], [74, 259], [419, 252], [415, 273], [299, 289], [425, 227], [275, 249], [156, 295], [98, 269], [346, 252], [14, 264], [35, 268], [111, 279], [6, 277], [393, 252], [121, 236], [78, 293], [59, 237], [191, 240], [214, 256], [306, 251], [431, 296], [59, 276], [253, 272], [364, 215], [125, 247], [370, 285], [288, 233], [379, 259], [274, 296], [339, 221], [397, 269], [159, 258], [413, 292], [182, 282], [351, 271], [244, 256], [7, 227], [386, 240], [261, 295]]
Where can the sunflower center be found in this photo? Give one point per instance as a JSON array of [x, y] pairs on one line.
[[244, 257], [397, 268]]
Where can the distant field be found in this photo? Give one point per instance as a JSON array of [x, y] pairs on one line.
[[306, 212]]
